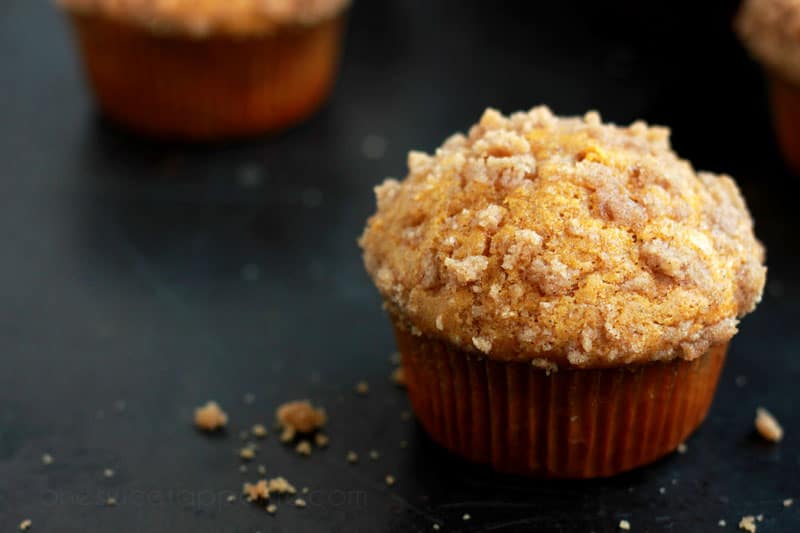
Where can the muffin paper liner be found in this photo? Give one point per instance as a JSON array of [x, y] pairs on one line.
[[570, 423], [208, 88], [785, 101]]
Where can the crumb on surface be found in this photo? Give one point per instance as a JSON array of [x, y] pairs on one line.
[[683, 448], [108, 472], [305, 490], [300, 502], [748, 523], [374, 455], [362, 388], [111, 501], [624, 525], [399, 376], [436, 527], [259, 431], [722, 523], [272, 508], [256, 491], [465, 517], [261, 469], [280, 485], [47, 459], [231, 498], [662, 490], [248, 453], [352, 457], [301, 416], [303, 448], [321, 440], [288, 434], [788, 502], [210, 417], [768, 426], [25, 525], [390, 480]]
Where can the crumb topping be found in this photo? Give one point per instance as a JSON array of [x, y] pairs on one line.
[[768, 426], [210, 417], [564, 239], [200, 18], [300, 416], [770, 29], [748, 523]]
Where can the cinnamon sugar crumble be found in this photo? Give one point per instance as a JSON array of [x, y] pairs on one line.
[[567, 239], [768, 426], [210, 417], [300, 416]]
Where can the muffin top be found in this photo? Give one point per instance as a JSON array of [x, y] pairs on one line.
[[770, 29], [564, 241], [200, 18]]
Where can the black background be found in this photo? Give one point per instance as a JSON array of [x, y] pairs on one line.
[[127, 272]]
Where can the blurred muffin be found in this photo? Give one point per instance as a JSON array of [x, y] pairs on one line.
[[208, 69], [562, 290], [770, 29]]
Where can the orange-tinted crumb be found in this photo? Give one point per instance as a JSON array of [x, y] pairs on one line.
[[279, 485], [321, 440], [210, 417], [248, 453], [272, 508], [288, 434], [259, 431], [566, 239], [362, 388], [300, 416], [303, 448], [767, 426], [256, 491], [748, 523], [399, 376]]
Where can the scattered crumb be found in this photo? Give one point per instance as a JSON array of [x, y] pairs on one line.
[[682, 447], [405, 416], [47, 459], [399, 376], [305, 490], [465, 517], [288, 434], [272, 508], [321, 440], [259, 431], [25, 525], [300, 416], [759, 518], [249, 398], [767, 426], [248, 453], [303, 448], [788, 502], [231, 498], [243, 469], [374, 455], [108, 472], [210, 417], [352, 457], [279, 485], [300, 502], [111, 501], [390, 480], [748, 523], [395, 358], [662, 490], [722, 523], [362, 388], [436, 527], [262, 469], [625, 525], [256, 491]]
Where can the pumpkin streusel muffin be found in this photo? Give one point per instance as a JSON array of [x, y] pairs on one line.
[[562, 290], [770, 29], [208, 69]]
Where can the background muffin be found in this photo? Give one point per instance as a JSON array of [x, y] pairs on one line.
[[208, 69], [549, 244], [770, 29]]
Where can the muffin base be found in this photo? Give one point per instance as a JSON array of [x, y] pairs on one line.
[[209, 88], [568, 424], [785, 102]]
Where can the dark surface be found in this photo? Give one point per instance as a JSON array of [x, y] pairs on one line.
[[124, 276]]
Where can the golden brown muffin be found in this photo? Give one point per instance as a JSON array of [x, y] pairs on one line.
[[562, 244], [770, 30], [208, 69]]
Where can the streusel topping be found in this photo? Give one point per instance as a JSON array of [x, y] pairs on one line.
[[565, 240], [200, 18], [770, 29]]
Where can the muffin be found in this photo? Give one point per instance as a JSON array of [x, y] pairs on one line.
[[770, 29], [208, 69], [562, 291]]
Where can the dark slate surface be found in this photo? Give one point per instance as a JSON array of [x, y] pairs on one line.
[[165, 275]]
